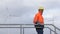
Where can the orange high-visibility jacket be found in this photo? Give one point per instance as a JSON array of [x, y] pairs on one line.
[[38, 17]]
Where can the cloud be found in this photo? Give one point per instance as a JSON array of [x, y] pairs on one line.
[[46, 3], [24, 10]]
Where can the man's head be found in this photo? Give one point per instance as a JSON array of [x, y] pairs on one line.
[[41, 10]]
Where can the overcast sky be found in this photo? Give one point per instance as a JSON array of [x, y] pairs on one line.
[[22, 11]]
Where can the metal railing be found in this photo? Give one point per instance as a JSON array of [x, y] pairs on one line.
[[23, 26]]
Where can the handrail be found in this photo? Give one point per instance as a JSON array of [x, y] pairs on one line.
[[22, 24], [44, 27], [30, 24], [56, 27], [52, 30]]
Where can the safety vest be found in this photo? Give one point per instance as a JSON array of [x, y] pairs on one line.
[[38, 18]]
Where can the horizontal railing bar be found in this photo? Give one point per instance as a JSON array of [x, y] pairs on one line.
[[10, 27], [44, 27], [27, 27], [29, 24], [20, 27], [22, 24]]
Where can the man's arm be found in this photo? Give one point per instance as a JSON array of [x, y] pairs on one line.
[[35, 19]]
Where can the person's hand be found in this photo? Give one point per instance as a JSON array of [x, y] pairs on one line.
[[35, 23]]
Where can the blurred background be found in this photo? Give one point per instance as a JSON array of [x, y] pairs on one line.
[[23, 11]]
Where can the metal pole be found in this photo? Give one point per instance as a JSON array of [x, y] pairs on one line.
[[21, 29], [50, 31], [55, 30]]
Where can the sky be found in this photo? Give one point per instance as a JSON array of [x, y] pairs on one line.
[[23, 11]]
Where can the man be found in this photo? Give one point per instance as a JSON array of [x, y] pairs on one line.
[[39, 21]]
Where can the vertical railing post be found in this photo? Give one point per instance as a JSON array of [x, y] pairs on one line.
[[55, 30], [23, 30], [50, 31], [20, 29]]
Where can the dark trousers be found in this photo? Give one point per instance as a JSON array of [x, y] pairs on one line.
[[39, 30]]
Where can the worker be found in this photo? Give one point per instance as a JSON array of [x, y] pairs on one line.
[[39, 21]]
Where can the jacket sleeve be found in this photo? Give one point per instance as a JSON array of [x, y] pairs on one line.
[[35, 19]]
